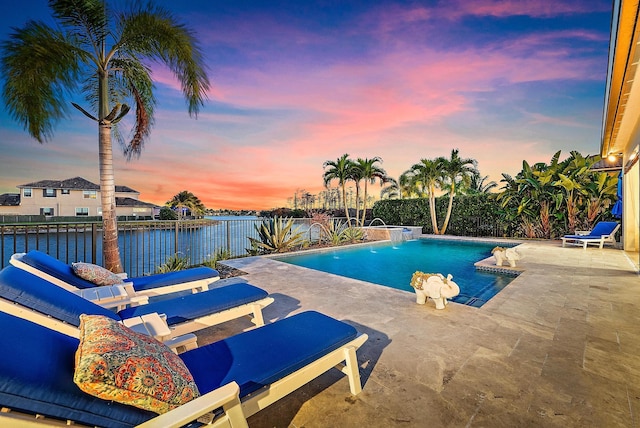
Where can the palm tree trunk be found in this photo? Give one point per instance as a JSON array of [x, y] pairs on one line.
[[344, 201], [449, 208], [110, 250], [432, 211], [364, 204], [357, 203]]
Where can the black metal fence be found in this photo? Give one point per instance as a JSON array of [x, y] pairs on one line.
[[144, 245]]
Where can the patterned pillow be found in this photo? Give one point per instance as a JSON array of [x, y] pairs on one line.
[[116, 363], [96, 274]]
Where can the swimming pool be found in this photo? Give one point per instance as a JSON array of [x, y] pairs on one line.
[[393, 263]]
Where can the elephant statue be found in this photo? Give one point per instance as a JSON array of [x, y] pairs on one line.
[[509, 255], [435, 286]]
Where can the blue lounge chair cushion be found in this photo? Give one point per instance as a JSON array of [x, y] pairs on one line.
[[192, 306], [158, 280], [40, 295], [258, 357], [54, 267], [36, 376], [578, 237], [600, 229], [64, 272]]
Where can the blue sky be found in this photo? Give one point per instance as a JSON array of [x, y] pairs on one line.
[[297, 83]]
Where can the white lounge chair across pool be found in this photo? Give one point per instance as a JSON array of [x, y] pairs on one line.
[[603, 233]]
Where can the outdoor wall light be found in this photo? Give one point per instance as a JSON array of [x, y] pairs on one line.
[[613, 156]]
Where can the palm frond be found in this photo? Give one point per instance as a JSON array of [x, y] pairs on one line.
[[134, 78], [85, 19], [154, 33], [40, 66]]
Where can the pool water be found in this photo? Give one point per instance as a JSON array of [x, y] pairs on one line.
[[393, 265]]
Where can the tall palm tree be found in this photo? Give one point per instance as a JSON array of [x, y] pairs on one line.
[[97, 52], [370, 172], [189, 201], [426, 177], [341, 170], [455, 170]]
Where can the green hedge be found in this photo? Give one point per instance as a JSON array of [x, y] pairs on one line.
[[473, 215]]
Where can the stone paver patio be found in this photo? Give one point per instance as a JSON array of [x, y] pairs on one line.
[[559, 346]]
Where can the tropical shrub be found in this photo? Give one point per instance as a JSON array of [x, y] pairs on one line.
[[551, 200], [174, 263], [472, 215], [276, 235], [338, 232], [167, 213], [186, 201], [220, 254], [353, 234]]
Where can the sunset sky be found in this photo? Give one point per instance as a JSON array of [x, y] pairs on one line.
[[296, 83]]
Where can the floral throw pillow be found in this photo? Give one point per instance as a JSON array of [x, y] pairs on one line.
[[116, 363], [96, 274]]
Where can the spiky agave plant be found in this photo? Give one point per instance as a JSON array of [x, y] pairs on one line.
[[174, 263], [220, 254], [335, 232], [276, 235]]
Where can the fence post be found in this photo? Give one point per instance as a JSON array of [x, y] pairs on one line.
[[175, 246], [94, 243], [228, 222]]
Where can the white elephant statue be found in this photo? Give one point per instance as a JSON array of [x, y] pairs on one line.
[[509, 255], [435, 286]]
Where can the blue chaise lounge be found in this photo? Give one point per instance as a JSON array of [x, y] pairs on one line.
[[59, 273], [236, 377], [168, 320], [604, 232]]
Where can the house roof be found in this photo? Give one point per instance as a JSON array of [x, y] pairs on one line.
[[75, 183], [10, 199], [130, 202], [125, 189]]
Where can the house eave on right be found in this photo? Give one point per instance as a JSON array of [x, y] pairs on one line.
[[621, 114]]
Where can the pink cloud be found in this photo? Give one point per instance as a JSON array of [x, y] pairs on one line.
[[355, 108], [535, 8]]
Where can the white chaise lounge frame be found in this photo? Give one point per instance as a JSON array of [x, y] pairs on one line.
[[179, 336], [603, 239]]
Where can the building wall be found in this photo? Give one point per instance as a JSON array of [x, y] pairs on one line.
[[621, 115], [135, 211], [70, 204], [9, 210], [62, 204], [631, 209]]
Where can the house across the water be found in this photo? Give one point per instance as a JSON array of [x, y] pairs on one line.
[[73, 197]]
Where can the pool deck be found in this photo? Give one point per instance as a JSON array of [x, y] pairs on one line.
[[558, 347]]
